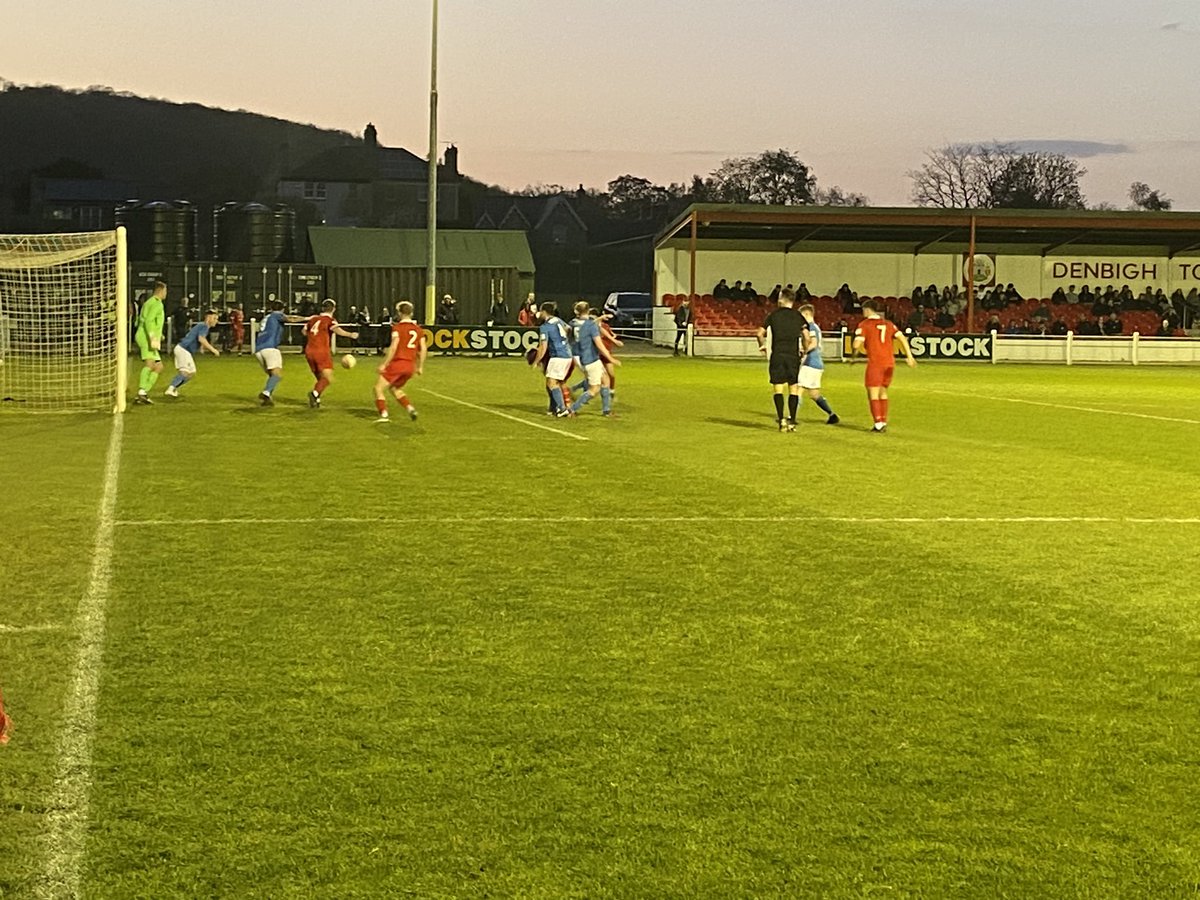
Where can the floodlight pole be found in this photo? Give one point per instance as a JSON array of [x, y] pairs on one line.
[[971, 280], [431, 211]]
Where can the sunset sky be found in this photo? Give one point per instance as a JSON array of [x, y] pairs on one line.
[[534, 91]]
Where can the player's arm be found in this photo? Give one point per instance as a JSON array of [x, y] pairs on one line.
[[543, 346], [859, 345], [904, 345], [391, 351], [612, 337], [155, 329], [761, 337], [205, 345], [342, 332], [605, 355], [421, 353]]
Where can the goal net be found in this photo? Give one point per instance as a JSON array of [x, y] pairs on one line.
[[63, 338]]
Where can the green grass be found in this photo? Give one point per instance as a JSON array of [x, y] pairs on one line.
[[674, 698]]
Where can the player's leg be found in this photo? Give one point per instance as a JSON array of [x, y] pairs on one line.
[[793, 405], [612, 381], [606, 395], [185, 370], [381, 385], [886, 382], [777, 396], [403, 399]]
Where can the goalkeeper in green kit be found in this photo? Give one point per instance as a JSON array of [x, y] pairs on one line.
[[149, 340]]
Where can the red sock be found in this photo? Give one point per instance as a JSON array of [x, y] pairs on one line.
[[381, 405], [320, 386], [566, 393], [883, 405], [874, 409], [405, 402]]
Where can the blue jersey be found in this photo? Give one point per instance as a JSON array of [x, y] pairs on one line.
[[586, 333], [272, 332], [554, 332], [813, 359], [191, 340]]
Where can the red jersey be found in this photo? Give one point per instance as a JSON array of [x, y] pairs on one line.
[[879, 337], [409, 335], [607, 335], [318, 330]]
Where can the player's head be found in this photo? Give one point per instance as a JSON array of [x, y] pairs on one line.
[[548, 310], [808, 311], [786, 297], [276, 306], [581, 308], [404, 310], [869, 308], [328, 306], [210, 317]]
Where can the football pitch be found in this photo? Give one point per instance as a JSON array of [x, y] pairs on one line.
[[295, 653]]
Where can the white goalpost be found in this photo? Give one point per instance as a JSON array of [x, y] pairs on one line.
[[64, 321]]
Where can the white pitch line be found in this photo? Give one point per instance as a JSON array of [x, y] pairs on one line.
[[496, 412], [68, 817], [28, 629], [1088, 409], [676, 520]]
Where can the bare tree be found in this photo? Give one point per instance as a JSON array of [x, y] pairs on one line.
[[1144, 198], [835, 196], [970, 176]]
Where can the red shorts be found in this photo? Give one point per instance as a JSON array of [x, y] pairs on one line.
[[880, 376], [318, 364], [397, 375]]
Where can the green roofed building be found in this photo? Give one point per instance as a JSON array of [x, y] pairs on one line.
[[377, 267]]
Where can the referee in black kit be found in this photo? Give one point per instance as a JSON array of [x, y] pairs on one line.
[[785, 325]]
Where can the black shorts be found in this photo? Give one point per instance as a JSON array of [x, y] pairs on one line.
[[784, 369]]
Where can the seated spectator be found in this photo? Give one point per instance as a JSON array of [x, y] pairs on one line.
[[945, 299], [1072, 295], [1145, 300], [802, 292], [916, 319], [1160, 299], [1111, 297], [1192, 300], [1059, 297], [1038, 328], [996, 298], [1058, 326], [736, 292], [1086, 297], [931, 295], [750, 291], [1014, 327], [774, 295], [1126, 297], [721, 290], [1100, 308], [1113, 325], [993, 324], [944, 319], [1041, 314], [841, 325], [918, 295], [848, 299], [1087, 327], [1012, 293], [955, 306], [1165, 329]]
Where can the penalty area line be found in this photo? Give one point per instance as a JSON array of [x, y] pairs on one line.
[[676, 520], [496, 412], [67, 820]]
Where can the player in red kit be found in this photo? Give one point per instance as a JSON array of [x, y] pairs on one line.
[[237, 329], [610, 339], [317, 350], [405, 358], [874, 337]]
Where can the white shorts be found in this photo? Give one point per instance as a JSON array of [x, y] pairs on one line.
[[270, 358], [594, 372], [558, 367], [810, 378], [184, 361]]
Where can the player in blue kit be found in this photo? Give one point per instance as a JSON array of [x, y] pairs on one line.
[[812, 366], [266, 350], [554, 346], [589, 348], [193, 341]]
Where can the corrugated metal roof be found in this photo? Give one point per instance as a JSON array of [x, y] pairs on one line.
[[405, 248]]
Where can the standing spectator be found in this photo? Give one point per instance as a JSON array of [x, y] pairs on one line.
[[237, 329], [383, 331], [683, 316], [527, 317], [498, 314], [363, 321], [181, 319], [447, 313]]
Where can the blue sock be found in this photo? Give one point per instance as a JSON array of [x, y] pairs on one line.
[[824, 404], [582, 386], [584, 400], [606, 399], [272, 383], [177, 381], [556, 399]]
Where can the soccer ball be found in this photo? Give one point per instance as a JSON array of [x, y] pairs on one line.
[[348, 361]]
